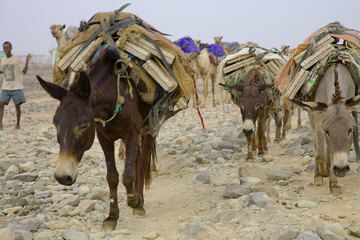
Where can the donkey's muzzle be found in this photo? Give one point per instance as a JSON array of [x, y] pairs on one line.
[[341, 171], [248, 132], [65, 180]]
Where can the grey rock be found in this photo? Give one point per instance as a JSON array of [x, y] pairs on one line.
[[11, 172], [306, 139], [7, 234], [306, 235], [203, 177], [252, 170], [325, 233], [354, 229], [23, 235], [31, 224], [198, 230], [250, 181], [234, 190], [26, 177], [43, 235], [72, 201], [239, 203], [284, 234], [274, 174], [306, 204], [261, 199], [74, 235]]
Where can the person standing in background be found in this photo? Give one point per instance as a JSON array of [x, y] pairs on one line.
[[13, 70]]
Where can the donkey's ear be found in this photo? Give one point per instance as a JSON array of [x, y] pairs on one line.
[[81, 86], [353, 102], [54, 90], [237, 86], [264, 87], [311, 106]]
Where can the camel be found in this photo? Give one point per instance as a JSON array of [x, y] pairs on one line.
[[57, 31]]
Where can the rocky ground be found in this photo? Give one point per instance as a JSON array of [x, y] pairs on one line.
[[204, 188]]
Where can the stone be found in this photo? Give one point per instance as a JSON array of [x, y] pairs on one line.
[[239, 203], [152, 236], [306, 204], [7, 234], [325, 233], [252, 170], [12, 210], [26, 177], [306, 139], [196, 229], [250, 181], [43, 235], [71, 201], [11, 172], [234, 190], [85, 206], [354, 229], [23, 235], [306, 235], [83, 190], [74, 235], [283, 183], [283, 233], [261, 199], [203, 177], [275, 174]]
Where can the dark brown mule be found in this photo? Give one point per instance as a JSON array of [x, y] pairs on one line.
[[93, 96], [253, 100]]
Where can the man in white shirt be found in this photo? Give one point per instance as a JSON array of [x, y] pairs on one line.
[[13, 70]]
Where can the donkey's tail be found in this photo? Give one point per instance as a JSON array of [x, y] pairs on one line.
[[148, 156]]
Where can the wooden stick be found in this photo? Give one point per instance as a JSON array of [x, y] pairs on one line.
[[161, 77]]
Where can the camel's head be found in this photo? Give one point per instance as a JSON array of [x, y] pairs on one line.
[[218, 39], [57, 30]]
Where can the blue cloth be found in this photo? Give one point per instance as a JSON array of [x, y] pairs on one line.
[[216, 49], [187, 45], [17, 96]]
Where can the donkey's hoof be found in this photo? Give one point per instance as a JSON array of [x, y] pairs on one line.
[[139, 211], [318, 181], [109, 225], [335, 190]]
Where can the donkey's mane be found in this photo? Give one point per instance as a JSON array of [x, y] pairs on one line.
[[337, 95]]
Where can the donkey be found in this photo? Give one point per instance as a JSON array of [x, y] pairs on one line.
[[331, 120], [253, 100], [89, 101]]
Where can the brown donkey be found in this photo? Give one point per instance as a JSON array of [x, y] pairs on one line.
[[93, 96], [253, 100]]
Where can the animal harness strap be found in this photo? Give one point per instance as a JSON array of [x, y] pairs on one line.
[[121, 73]]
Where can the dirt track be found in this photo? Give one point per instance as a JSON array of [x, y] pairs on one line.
[[186, 198]]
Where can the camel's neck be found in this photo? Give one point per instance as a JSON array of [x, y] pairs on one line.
[[60, 41]]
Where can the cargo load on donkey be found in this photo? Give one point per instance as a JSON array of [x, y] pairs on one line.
[[247, 75], [323, 77], [159, 70], [124, 80]]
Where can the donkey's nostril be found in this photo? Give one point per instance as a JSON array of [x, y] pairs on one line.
[[247, 132], [65, 180]]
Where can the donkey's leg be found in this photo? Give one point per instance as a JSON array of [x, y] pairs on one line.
[[212, 77], [268, 121], [129, 174], [121, 153], [299, 116], [143, 167], [278, 124], [261, 134], [335, 189], [205, 89], [112, 177], [249, 140]]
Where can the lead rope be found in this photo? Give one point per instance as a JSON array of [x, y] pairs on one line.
[[119, 99]]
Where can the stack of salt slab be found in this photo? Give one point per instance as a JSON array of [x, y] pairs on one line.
[[237, 63], [323, 49], [139, 47]]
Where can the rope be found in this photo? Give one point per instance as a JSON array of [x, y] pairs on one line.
[[197, 106], [119, 99]]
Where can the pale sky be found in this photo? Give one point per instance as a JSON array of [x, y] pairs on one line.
[[271, 23]]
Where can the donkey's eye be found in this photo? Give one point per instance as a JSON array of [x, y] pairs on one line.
[[83, 127], [258, 105], [327, 132], [349, 131]]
